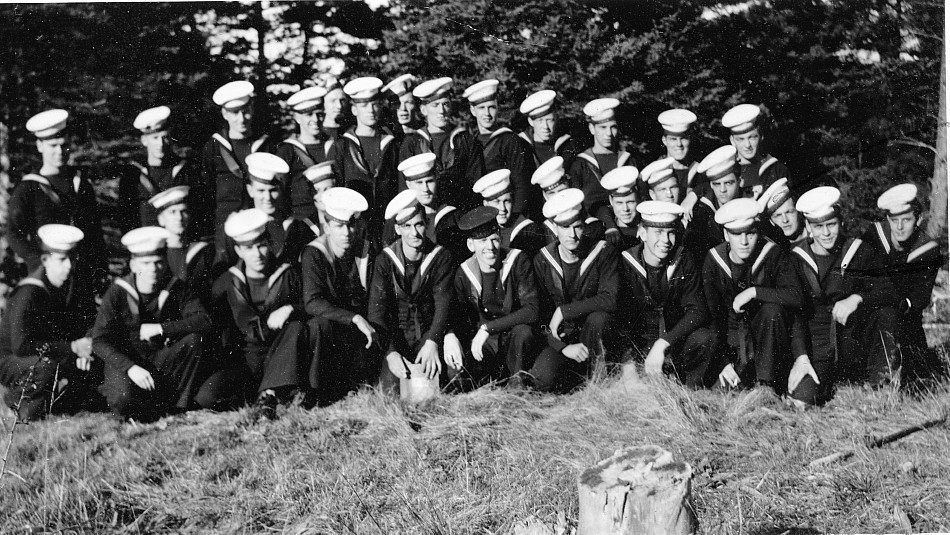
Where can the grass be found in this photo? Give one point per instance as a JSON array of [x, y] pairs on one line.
[[480, 463]]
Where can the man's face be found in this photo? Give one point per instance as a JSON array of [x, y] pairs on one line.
[[605, 134], [175, 219], [437, 113], [486, 249], [413, 231], [156, 144], [58, 266], [425, 189], [238, 119], [254, 255], [544, 127], [570, 236], [826, 233], [725, 188], [265, 196], [659, 241], [668, 191], [485, 114], [333, 105], [902, 226], [341, 235], [367, 113], [318, 190], [55, 151], [743, 243], [407, 108], [148, 271], [625, 208], [747, 145], [310, 122], [677, 146], [787, 218], [502, 203]]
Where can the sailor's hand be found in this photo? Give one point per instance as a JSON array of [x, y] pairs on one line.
[[141, 377], [800, 369], [728, 376], [149, 330], [743, 299]]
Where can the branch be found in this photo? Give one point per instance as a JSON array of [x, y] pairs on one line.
[[913, 143], [877, 443]]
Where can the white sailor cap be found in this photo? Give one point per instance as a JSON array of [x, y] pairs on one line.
[[417, 167], [658, 172], [145, 241], [317, 173], [818, 204], [152, 120], [47, 124], [364, 89], [600, 110], [332, 84], [233, 94], [493, 185], [549, 174], [246, 226], [718, 163], [403, 206], [898, 200], [306, 100], [263, 167], [400, 85], [481, 92], [565, 206], [538, 104], [738, 215], [343, 204], [56, 238], [774, 196], [432, 90], [170, 197], [659, 214], [676, 121], [619, 182], [741, 119]]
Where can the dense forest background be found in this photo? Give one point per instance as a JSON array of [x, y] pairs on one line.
[[852, 88]]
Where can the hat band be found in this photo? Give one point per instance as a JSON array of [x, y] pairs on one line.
[[684, 132], [52, 249], [483, 231], [541, 112], [154, 129], [554, 184], [777, 200], [744, 128], [601, 120], [251, 240], [420, 176], [499, 193], [482, 100], [163, 207], [824, 217], [309, 107], [331, 217], [268, 181], [418, 208], [660, 224], [730, 170], [364, 100], [50, 133], [442, 93], [155, 252], [573, 218], [621, 192], [752, 227], [320, 178], [657, 182], [905, 209]]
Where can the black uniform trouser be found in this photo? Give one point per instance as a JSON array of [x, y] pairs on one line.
[[767, 346], [503, 354], [180, 374], [281, 363], [341, 363], [864, 350], [919, 360], [31, 386], [554, 372]]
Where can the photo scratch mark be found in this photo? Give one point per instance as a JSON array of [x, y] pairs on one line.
[[495, 37]]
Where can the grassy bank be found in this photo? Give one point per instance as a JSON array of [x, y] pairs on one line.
[[480, 463]]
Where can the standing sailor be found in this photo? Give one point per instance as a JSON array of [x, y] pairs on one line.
[[405, 104], [162, 169], [758, 169], [301, 152], [188, 260], [515, 230]]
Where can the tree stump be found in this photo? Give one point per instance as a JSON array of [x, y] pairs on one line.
[[638, 490]]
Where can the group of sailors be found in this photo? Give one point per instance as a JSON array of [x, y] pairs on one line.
[[361, 255]]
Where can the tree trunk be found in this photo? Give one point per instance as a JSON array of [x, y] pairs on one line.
[[937, 226], [260, 70], [638, 490], [5, 187]]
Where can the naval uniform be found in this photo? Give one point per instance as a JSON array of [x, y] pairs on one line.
[[150, 180], [523, 234], [175, 359], [758, 174], [506, 303], [503, 149], [367, 165], [300, 157], [863, 349], [703, 233], [459, 163], [667, 302], [586, 292], [335, 289], [586, 172], [564, 146], [757, 341], [192, 264]]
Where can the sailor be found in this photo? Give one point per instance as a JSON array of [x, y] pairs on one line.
[[783, 224], [162, 168], [621, 186], [502, 148], [703, 233], [662, 292], [515, 230], [541, 110], [758, 169], [410, 299], [287, 235], [321, 177], [752, 294], [497, 302], [459, 159], [336, 275], [309, 147], [849, 308], [441, 219], [677, 125], [605, 156], [189, 260], [149, 334], [550, 179], [335, 105], [578, 282], [43, 339], [405, 104]]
